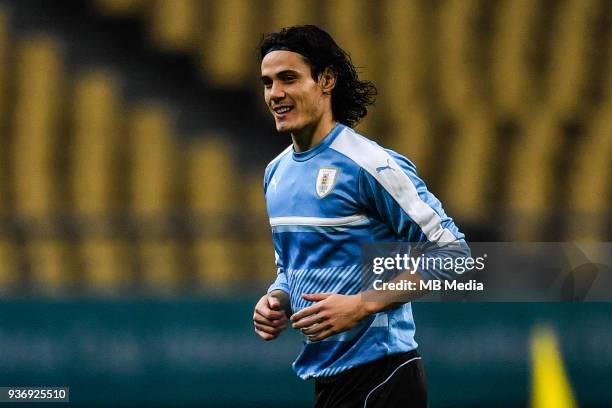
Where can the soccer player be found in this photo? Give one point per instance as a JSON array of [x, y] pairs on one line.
[[328, 193]]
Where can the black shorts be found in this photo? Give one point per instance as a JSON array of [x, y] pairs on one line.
[[397, 380]]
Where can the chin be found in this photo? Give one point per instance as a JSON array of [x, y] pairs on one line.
[[285, 127]]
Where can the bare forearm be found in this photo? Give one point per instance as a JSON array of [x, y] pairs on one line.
[[375, 301]]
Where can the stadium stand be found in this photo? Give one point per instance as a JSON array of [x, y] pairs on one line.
[[134, 137]]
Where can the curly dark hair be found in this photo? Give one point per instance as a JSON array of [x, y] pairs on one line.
[[350, 96]]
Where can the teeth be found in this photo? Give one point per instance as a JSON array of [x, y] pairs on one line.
[[283, 109]]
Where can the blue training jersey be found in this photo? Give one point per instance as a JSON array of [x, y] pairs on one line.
[[323, 205]]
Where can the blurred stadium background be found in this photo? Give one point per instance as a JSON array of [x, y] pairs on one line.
[[133, 233]]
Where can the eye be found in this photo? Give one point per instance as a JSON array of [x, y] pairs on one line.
[[266, 82]]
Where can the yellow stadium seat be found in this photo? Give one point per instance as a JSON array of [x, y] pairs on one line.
[[211, 178], [107, 265], [4, 101], [51, 268], [9, 266], [403, 48], [411, 135], [569, 55], [471, 162], [228, 55], [351, 25], [96, 144], [531, 175], [459, 84], [255, 199], [512, 72], [39, 72], [286, 13], [589, 182], [153, 161], [175, 24], [120, 7], [218, 263], [160, 268], [262, 269]]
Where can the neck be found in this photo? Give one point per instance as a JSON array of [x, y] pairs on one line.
[[308, 137]]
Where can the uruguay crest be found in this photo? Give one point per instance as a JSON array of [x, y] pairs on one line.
[[326, 179]]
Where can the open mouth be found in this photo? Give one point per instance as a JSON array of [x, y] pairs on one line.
[[281, 110]]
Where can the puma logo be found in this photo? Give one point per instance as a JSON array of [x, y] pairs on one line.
[[388, 166]]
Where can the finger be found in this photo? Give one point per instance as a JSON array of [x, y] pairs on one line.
[[316, 297], [270, 314], [274, 303], [321, 336], [267, 322], [265, 335], [316, 329], [308, 321], [310, 310], [267, 329]]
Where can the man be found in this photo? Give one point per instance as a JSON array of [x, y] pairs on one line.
[[331, 191]]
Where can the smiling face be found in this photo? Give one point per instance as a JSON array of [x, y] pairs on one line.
[[294, 98]]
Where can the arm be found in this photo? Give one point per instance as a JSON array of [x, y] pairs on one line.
[[273, 309]]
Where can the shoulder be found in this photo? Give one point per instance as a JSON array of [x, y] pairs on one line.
[[368, 154], [271, 167]]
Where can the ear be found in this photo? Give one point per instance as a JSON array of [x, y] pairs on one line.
[[327, 80]]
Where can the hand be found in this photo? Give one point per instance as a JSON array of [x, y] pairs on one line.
[[331, 314], [269, 317]]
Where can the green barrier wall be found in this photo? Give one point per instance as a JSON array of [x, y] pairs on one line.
[[204, 353]]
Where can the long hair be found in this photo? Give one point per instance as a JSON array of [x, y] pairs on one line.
[[350, 96]]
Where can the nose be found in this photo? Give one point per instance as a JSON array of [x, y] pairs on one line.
[[276, 91]]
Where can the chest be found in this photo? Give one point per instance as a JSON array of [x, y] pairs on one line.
[[322, 188]]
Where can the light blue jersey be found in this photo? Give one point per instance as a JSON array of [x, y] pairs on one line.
[[323, 205]]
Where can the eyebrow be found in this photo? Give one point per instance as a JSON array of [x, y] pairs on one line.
[[281, 73]]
